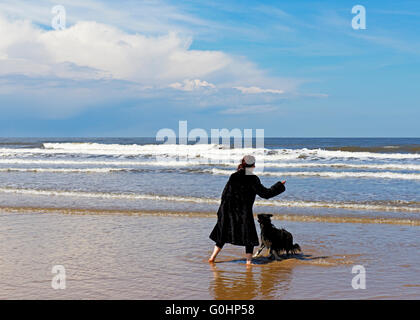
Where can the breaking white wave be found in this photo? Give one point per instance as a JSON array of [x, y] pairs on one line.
[[70, 170], [180, 163], [328, 174], [327, 154], [103, 195], [366, 206], [197, 151], [323, 174], [152, 163], [408, 167]]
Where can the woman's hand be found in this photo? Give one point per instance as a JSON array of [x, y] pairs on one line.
[[284, 182]]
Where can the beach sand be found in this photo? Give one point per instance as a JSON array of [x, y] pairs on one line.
[[117, 255]]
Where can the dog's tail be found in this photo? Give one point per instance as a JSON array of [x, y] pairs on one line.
[[296, 248]]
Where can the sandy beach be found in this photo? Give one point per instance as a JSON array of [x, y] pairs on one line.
[[164, 256]]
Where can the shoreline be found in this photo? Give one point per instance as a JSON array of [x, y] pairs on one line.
[[284, 217]]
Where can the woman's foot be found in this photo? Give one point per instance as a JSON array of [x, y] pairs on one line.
[[249, 258], [216, 251]]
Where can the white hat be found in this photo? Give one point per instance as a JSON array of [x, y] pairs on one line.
[[249, 160]]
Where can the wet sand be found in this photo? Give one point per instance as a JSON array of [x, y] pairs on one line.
[[118, 255]]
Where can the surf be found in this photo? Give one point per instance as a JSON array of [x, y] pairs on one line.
[[328, 174], [396, 206], [205, 151], [181, 163]]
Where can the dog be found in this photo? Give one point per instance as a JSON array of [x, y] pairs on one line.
[[275, 240]]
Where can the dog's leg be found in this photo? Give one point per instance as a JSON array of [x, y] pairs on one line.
[[257, 254], [276, 255]]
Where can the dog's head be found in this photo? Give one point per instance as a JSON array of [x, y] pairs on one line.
[[264, 218]]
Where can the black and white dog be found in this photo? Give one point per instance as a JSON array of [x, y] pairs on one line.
[[275, 240]]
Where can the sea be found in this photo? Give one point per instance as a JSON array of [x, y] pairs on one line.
[[326, 178], [129, 218]]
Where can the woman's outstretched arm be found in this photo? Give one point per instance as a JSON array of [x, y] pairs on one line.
[[267, 193]]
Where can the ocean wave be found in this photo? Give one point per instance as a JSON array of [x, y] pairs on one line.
[[72, 170], [322, 174], [399, 205], [288, 217], [193, 163], [22, 144], [413, 148], [327, 154], [204, 151], [152, 163], [328, 174], [104, 195], [408, 167], [346, 219], [215, 171]]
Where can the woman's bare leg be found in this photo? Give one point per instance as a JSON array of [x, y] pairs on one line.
[[249, 258], [216, 251], [249, 250]]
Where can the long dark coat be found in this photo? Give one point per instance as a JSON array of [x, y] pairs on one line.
[[235, 220]]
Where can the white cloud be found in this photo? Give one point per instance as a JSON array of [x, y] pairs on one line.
[[190, 85], [253, 90], [91, 50], [107, 51], [91, 62]]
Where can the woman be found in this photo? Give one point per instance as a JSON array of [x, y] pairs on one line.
[[235, 220]]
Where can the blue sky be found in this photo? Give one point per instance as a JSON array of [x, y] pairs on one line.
[[292, 68]]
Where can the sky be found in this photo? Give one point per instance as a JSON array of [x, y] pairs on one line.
[[130, 68]]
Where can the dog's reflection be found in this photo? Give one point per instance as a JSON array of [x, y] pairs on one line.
[[250, 282]]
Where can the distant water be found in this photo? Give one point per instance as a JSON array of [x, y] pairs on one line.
[[377, 179]]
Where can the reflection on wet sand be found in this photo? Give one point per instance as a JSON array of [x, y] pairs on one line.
[[248, 282], [240, 285], [265, 279]]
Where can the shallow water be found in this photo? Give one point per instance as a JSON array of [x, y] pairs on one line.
[[150, 256]]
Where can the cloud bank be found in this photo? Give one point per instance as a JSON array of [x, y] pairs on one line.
[[93, 50], [77, 61]]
